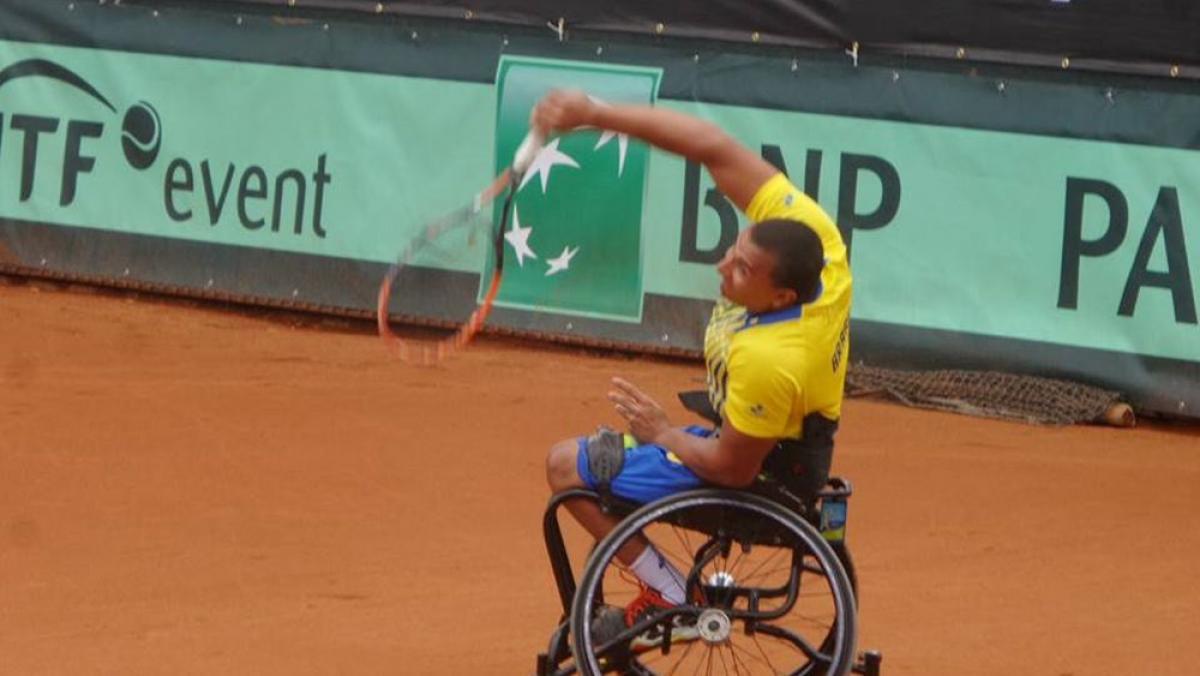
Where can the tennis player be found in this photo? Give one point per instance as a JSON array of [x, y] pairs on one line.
[[775, 350]]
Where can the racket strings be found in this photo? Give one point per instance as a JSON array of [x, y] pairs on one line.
[[432, 352]]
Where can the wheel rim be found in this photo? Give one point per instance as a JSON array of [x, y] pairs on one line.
[[785, 599]]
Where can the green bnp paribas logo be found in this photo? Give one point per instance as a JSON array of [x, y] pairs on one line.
[[573, 243]]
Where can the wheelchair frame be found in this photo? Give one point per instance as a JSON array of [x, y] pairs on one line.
[[827, 517]]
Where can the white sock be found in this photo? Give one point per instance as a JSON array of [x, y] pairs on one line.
[[653, 569]]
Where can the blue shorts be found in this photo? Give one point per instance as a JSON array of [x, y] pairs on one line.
[[650, 472]]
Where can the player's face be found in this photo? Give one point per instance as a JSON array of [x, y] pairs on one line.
[[746, 277]]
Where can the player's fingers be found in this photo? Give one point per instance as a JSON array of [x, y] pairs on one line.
[[540, 121], [621, 400], [561, 111], [625, 412], [639, 396], [629, 389], [548, 115], [541, 117]]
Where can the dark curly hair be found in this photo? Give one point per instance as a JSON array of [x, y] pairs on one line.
[[799, 255]]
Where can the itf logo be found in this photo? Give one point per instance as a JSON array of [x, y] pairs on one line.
[[573, 244], [141, 130]]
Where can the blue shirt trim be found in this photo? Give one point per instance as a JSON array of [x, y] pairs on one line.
[[757, 319], [791, 312]]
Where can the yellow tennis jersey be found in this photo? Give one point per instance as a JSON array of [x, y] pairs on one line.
[[767, 372]]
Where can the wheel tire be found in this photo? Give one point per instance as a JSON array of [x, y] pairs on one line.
[[836, 641]]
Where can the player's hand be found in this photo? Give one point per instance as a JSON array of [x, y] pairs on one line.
[[647, 421], [562, 110]]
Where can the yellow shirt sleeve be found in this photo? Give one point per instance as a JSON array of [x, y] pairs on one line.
[[778, 198], [759, 395]]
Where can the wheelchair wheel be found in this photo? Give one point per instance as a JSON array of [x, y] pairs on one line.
[[766, 594], [847, 561]]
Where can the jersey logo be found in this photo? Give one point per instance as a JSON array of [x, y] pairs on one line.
[[758, 411], [840, 349]]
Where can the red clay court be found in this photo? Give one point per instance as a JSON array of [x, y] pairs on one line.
[[189, 490]]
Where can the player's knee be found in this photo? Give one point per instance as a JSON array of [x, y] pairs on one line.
[[561, 472]]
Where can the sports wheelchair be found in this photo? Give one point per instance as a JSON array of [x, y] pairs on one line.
[[770, 584]]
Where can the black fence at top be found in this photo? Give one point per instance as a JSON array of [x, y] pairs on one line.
[[1145, 36]]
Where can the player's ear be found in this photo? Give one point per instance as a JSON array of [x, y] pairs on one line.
[[785, 297]]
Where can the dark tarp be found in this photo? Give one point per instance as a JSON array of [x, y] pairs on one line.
[[1120, 31]]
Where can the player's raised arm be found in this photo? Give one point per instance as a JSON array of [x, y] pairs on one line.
[[738, 171]]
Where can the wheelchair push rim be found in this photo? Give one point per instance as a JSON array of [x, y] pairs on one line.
[[766, 593]]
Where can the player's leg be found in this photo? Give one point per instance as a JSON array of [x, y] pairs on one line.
[[562, 474], [641, 473]]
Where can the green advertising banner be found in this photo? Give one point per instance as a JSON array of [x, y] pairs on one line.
[[1066, 241], [292, 159], [313, 178], [580, 204]]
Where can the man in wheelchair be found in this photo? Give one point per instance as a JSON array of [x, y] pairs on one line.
[[775, 350]]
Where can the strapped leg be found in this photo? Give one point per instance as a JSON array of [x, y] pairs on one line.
[[606, 457]]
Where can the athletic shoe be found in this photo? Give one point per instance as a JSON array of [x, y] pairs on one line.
[[648, 603]]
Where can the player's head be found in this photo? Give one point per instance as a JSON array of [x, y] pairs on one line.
[[772, 265]]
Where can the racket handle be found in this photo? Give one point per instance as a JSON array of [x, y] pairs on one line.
[[527, 151]]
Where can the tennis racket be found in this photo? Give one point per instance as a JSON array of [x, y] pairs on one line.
[[460, 227]]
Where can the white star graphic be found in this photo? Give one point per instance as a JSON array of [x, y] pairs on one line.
[[546, 159], [622, 147], [563, 261], [518, 237]]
